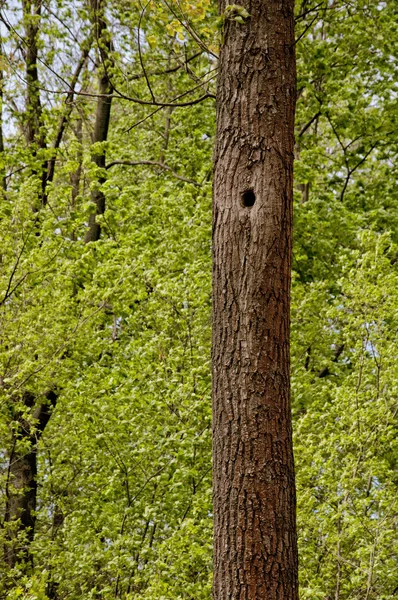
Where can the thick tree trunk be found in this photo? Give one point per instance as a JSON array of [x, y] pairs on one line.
[[102, 116], [255, 552], [21, 485]]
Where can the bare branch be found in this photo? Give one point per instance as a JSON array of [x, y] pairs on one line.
[[153, 163], [326, 371], [139, 50], [66, 115], [310, 122]]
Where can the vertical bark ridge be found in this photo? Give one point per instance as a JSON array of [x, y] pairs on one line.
[[255, 554]]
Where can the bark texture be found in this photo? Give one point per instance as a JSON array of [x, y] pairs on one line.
[[255, 553]]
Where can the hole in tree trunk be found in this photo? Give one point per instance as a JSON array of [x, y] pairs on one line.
[[248, 198]]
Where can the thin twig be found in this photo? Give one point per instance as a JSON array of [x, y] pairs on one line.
[[139, 50], [153, 163]]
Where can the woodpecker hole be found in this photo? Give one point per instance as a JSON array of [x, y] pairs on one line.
[[248, 198]]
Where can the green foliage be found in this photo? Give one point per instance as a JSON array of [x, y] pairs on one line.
[[233, 12], [121, 328]]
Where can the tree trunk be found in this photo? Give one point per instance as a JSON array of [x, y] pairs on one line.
[[255, 547], [3, 179], [21, 485], [75, 176], [64, 120], [31, 415], [102, 116], [34, 132]]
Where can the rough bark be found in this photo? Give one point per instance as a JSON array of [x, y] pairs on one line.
[[21, 488], [102, 116], [255, 551]]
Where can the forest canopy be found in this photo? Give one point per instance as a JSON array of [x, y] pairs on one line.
[[107, 130]]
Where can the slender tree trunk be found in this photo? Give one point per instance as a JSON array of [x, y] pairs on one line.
[[31, 413], [102, 116], [76, 175], [255, 547], [34, 133], [3, 179], [30, 418], [21, 486], [64, 120], [32, 11]]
